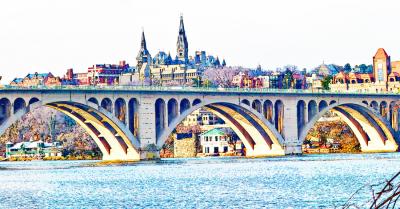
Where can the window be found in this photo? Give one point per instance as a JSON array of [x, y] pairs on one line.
[[207, 150], [216, 138], [225, 149], [216, 150]]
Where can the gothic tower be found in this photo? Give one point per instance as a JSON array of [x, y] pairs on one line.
[[143, 55], [182, 44]]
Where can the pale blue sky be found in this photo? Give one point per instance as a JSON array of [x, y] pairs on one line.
[[53, 35]]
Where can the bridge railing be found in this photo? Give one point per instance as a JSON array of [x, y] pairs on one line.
[[189, 89]]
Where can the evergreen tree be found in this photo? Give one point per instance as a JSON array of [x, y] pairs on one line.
[[326, 82], [347, 68]]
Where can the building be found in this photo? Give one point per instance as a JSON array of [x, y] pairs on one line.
[[314, 81], [201, 117], [36, 79], [243, 80], [218, 140], [33, 149], [324, 70], [163, 69], [384, 77], [106, 74]]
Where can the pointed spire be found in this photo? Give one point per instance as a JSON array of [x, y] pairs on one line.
[[143, 42], [143, 55], [182, 43], [223, 63], [181, 26]]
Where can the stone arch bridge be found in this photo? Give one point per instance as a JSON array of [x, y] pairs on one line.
[[123, 121]]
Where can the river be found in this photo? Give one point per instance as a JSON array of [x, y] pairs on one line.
[[309, 181]]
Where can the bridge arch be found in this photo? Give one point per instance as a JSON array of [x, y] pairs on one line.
[[5, 109], [93, 100], [268, 109], [120, 110], [159, 117], [133, 117], [301, 118], [312, 109], [322, 105], [245, 101], [371, 130], [172, 110], [383, 109], [257, 134], [33, 100], [196, 102], [111, 135], [279, 114], [374, 105], [256, 105], [184, 105], [106, 104], [19, 104]]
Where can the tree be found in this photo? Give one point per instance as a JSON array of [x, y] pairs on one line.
[[323, 140], [363, 68], [197, 82], [347, 68], [222, 77], [288, 80], [326, 82]]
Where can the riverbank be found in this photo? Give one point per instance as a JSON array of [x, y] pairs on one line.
[[51, 158]]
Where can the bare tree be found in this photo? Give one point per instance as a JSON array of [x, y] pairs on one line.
[[383, 195], [222, 77]]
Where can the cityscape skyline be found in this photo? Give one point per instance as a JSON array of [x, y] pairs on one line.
[[67, 41]]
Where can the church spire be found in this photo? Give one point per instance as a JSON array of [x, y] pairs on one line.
[[143, 42], [182, 43], [143, 55]]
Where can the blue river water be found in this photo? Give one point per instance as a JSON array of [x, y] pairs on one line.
[[309, 181]]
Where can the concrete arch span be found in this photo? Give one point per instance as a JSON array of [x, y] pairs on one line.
[[259, 136], [373, 132], [113, 138]]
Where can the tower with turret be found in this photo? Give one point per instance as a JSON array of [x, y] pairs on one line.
[[182, 46], [143, 55]]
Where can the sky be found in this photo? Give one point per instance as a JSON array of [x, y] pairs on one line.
[[54, 35]]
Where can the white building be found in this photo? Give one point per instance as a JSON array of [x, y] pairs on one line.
[[216, 141], [200, 117]]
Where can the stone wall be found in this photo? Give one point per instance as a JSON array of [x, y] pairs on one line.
[[185, 147]]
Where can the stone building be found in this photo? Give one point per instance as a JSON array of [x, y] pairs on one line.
[[385, 76], [36, 79], [163, 69]]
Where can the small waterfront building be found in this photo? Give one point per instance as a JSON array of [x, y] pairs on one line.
[[218, 140], [33, 149]]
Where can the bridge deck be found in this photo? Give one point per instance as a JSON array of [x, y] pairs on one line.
[[200, 90]]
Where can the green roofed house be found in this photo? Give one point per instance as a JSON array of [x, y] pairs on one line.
[[218, 140]]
